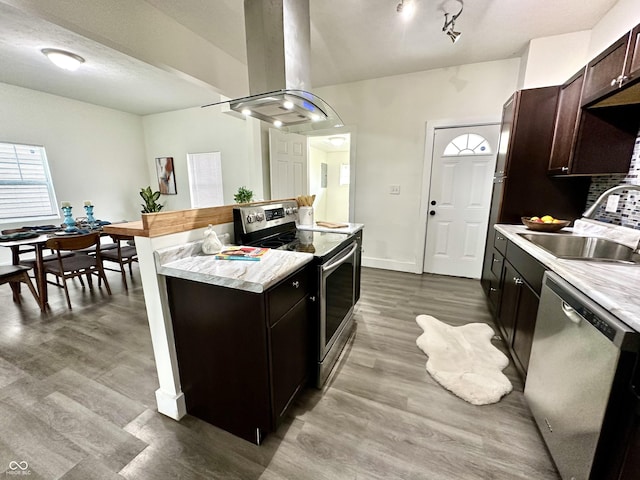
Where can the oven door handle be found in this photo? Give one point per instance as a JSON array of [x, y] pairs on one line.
[[336, 263]]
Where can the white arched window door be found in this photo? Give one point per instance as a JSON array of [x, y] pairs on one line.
[[462, 165]]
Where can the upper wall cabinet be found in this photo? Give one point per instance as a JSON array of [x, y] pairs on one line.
[[591, 141], [613, 77]]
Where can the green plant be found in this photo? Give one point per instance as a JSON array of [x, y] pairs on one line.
[[244, 195], [150, 198]]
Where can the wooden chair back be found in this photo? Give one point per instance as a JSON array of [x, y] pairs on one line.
[[74, 242]]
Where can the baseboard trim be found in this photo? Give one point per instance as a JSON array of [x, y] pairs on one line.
[[387, 264], [172, 406]]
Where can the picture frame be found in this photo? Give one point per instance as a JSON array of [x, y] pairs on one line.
[[166, 176]]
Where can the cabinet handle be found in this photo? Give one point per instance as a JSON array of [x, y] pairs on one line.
[[497, 259], [613, 82], [493, 289], [517, 281], [296, 284], [312, 298], [564, 169]]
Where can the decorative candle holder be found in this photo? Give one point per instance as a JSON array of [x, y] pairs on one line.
[[68, 219], [90, 220]]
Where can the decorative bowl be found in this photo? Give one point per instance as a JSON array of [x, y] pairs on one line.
[[545, 227]]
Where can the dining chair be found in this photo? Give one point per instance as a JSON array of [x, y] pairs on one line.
[[79, 264], [14, 275], [122, 255]]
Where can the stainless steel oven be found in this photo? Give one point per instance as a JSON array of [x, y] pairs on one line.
[[272, 225], [337, 299]]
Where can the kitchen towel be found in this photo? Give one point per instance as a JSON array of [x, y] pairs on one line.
[[463, 360]]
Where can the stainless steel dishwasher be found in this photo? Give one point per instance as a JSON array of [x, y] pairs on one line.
[[580, 371]]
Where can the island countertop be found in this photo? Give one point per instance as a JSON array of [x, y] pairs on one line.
[[190, 263], [612, 285], [349, 228]]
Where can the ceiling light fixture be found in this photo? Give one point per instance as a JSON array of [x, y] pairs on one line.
[[336, 141], [406, 9], [450, 24], [63, 59]]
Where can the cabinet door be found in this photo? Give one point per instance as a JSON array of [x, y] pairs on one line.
[[632, 69], [527, 310], [605, 72], [566, 123], [289, 356], [509, 303]]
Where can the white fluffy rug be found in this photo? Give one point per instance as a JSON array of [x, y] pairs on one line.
[[463, 360]]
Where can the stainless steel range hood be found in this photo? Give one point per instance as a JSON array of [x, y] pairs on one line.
[[278, 52]]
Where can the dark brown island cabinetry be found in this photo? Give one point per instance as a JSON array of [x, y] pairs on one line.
[[591, 141], [242, 356], [521, 185], [616, 68]]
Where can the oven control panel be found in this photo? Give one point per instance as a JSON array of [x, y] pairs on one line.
[[254, 218]]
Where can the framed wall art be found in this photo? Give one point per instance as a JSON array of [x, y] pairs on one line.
[[166, 176]]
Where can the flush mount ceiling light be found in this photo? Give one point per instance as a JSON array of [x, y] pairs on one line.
[[406, 9], [336, 141], [63, 59], [450, 24]]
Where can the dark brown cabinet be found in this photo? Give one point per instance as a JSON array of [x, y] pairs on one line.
[[242, 356], [522, 186], [611, 77], [591, 141], [520, 286], [608, 71]]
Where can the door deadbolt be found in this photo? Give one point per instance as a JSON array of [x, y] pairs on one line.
[[433, 202], [432, 212]]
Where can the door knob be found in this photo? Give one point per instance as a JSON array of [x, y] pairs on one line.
[[432, 212]]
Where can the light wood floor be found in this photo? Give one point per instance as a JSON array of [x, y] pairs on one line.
[[77, 399]]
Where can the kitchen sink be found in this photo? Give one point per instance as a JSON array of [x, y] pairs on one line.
[[584, 248]]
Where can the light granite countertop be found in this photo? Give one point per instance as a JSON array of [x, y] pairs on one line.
[[350, 228], [188, 262], [613, 286]]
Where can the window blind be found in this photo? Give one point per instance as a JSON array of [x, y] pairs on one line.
[[26, 191], [205, 179]]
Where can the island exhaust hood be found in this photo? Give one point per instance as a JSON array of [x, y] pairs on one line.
[[278, 52]]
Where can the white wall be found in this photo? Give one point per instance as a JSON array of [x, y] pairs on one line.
[[390, 115], [337, 203], [553, 60], [622, 17], [199, 130], [316, 158], [94, 153]]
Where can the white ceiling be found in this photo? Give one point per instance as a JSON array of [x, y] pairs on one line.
[[350, 40]]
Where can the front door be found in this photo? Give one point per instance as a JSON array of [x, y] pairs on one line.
[[462, 165], [288, 164]]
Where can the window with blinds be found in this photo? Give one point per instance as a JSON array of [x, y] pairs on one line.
[[26, 190], [205, 179]]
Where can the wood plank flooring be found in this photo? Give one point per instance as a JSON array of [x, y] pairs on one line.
[[77, 399]]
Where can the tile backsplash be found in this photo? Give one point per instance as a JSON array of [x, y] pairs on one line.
[[628, 212]]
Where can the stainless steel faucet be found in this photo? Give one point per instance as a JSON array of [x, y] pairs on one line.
[[591, 211]]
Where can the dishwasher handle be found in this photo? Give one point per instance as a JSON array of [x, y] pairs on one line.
[[571, 313]]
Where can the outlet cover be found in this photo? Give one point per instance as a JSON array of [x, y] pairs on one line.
[[394, 189], [612, 203]]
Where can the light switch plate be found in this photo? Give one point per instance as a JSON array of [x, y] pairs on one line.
[[612, 203], [394, 189]]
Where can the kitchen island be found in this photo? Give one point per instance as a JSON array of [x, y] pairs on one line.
[[243, 334]]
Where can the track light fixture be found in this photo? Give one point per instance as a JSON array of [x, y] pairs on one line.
[[450, 24]]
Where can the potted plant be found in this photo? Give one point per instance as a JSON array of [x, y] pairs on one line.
[[244, 195], [150, 198]]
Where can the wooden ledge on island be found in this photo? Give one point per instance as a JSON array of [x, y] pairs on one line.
[[176, 221]]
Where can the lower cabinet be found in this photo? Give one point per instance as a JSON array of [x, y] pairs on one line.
[[519, 296], [242, 356]]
